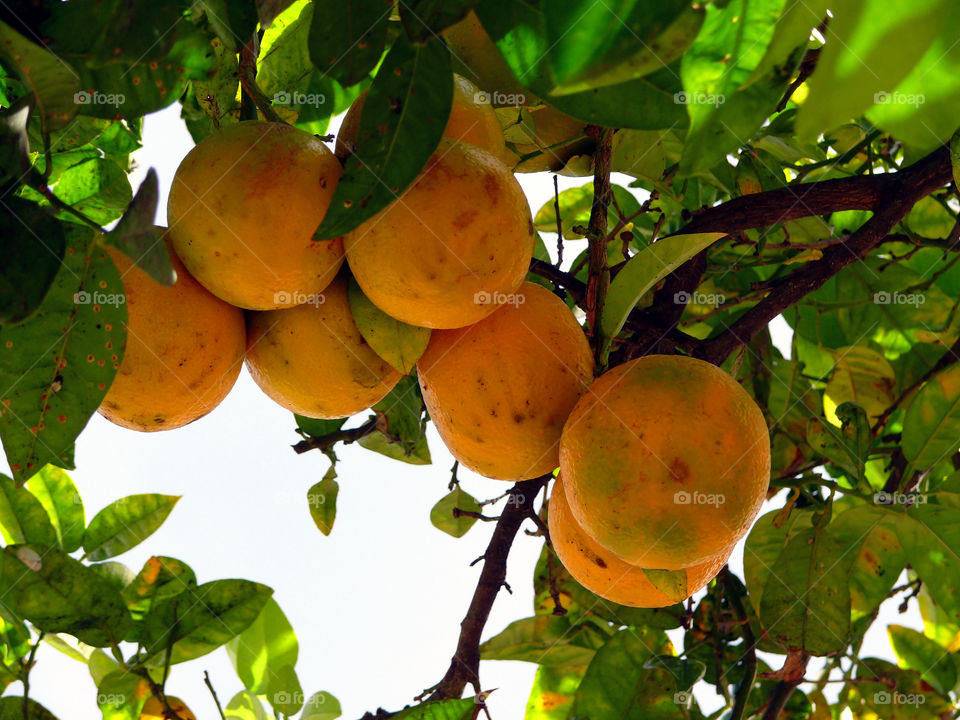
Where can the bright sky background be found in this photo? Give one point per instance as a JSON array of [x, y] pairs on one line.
[[377, 604]]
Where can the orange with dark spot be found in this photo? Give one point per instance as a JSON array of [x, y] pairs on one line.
[[666, 461], [603, 573], [183, 353]]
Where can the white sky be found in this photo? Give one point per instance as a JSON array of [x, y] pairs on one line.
[[377, 604]]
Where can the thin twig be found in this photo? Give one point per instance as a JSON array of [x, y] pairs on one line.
[[206, 679]]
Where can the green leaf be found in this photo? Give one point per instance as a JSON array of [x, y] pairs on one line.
[[284, 61], [321, 706], [618, 686], [871, 46], [425, 18], [58, 594], [11, 708], [121, 695], [199, 620], [544, 640], [847, 446], [724, 110], [643, 271], [284, 691], [607, 43], [917, 652], [551, 696], [878, 681], [33, 248], [575, 206], [765, 543], [686, 672], [322, 501], [245, 706], [22, 517], [59, 497], [443, 518], [793, 28], [400, 430], [316, 427], [931, 428], [125, 523], [51, 80], [439, 710], [672, 583], [139, 239], [647, 103], [268, 644], [393, 141], [398, 343], [57, 364], [347, 37], [862, 376], [806, 600], [97, 187], [101, 665], [159, 579]]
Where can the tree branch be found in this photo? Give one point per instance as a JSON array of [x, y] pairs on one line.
[[325, 442], [889, 195], [465, 664], [599, 271]]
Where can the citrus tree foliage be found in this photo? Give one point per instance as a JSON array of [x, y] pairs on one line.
[[798, 161]]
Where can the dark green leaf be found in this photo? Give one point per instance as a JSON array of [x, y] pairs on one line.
[[139, 239], [765, 543], [125, 523], [11, 708], [544, 640], [316, 427], [806, 601], [607, 43], [322, 501], [347, 37], [423, 19], [59, 362], [51, 80], [199, 620], [58, 594], [268, 644], [439, 710], [59, 497], [618, 685], [32, 252], [159, 579], [401, 126], [398, 343], [400, 432], [442, 514], [686, 672]]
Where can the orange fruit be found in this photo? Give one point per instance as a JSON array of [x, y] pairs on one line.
[[243, 208], [499, 391], [184, 351], [666, 461], [153, 709], [312, 360], [555, 136], [472, 120], [606, 575], [461, 233]]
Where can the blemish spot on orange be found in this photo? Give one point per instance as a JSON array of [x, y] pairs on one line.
[[62, 418]]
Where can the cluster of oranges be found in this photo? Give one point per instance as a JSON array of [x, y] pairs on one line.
[[664, 460]]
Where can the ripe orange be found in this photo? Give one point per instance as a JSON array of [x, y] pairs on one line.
[[153, 709], [312, 359], [666, 461], [184, 351], [500, 390], [556, 136], [243, 208], [461, 233], [472, 120], [602, 572]]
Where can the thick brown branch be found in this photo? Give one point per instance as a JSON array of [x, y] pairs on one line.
[[598, 278], [890, 196], [465, 664]]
